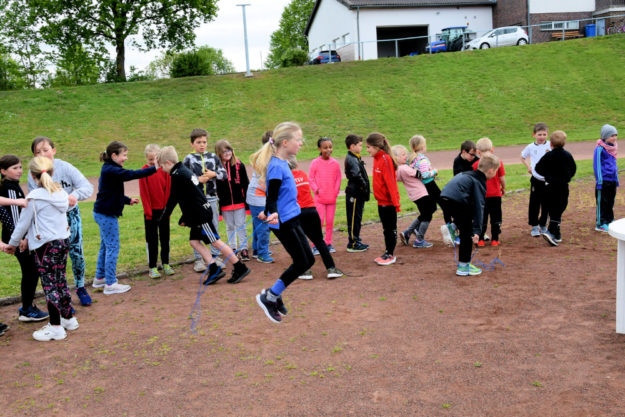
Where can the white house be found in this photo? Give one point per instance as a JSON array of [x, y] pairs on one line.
[[342, 25]]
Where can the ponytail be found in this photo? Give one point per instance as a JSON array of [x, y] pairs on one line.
[[115, 147], [260, 159], [379, 141], [42, 169]]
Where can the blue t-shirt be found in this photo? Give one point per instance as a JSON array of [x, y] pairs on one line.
[[278, 169]]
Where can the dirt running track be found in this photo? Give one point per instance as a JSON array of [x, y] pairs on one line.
[[440, 160], [533, 338]]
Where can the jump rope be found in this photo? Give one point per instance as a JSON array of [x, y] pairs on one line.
[[486, 267]]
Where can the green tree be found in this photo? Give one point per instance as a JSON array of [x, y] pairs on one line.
[[290, 33], [76, 66], [293, 57], [202, 61], [11, 76], [96, 23]]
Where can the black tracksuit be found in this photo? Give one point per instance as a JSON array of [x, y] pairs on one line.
[[558, 167], [462, 199], [357, 193]]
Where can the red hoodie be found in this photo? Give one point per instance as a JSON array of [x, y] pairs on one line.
[[154, 191], [385, 180]]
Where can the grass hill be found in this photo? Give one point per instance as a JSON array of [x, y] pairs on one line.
[[574, 85]]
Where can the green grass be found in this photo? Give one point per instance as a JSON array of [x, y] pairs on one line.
[[133, 256], [574, 85]]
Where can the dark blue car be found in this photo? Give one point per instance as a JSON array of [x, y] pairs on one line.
[[324, 57]]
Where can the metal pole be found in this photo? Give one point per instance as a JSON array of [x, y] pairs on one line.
[[396, 50], [358, 30], [247, 55], [529, 23]]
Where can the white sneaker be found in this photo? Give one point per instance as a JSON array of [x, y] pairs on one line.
[[69, 324], [446, 235], [220, 262], [116, 288], [49, 332], [306, 275], [98, 282], [199, 266]]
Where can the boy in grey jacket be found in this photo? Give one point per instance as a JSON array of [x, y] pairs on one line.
[[78, 189]]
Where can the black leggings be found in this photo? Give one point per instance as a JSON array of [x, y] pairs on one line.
[[462, 217], [294, 241], [311, 225], [30, 277], [155, 231], [388, 217]]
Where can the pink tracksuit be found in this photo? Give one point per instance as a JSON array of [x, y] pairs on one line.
[[325, 181]]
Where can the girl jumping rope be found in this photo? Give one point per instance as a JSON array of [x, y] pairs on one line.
[[282, 212]]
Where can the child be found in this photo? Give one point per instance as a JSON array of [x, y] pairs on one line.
[[10, 190], [426, 204], [154, 191], [385, 192], [197, 215], [44, 223], [558, 167], [416, 192], [606, 175], [282, 212], [462, 199], [464, 161], [208, 169], [357, 192], [325, 182], [495, 188], [108, 207], [311, 223], [79, 188], [538, 198], [231, 192], [256, 196]]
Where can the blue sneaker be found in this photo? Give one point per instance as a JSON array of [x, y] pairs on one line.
[[457, 241], [264, 259], [602, 228], [315, 251], [331, 249], [32, 313], [83, 296], [421, 244]]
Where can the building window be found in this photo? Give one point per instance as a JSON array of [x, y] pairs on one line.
[[566, 25]]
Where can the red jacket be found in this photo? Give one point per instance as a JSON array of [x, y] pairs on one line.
[[154, 191], [385, 180], [304, 197]]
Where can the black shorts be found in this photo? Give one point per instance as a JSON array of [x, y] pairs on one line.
[[205, 232]]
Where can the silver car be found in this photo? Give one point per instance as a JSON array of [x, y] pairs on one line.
[[506, 36]]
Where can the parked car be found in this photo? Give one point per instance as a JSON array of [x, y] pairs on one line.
[[451, 39], [506, 36], [323, 57]]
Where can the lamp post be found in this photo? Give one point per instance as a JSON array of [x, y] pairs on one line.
[[247, 56]]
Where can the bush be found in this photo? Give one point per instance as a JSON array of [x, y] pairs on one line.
[[202, 61], [293, 57]]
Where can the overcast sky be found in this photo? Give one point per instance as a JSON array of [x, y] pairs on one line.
[[226, 33]]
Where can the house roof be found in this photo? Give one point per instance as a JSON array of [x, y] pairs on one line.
[[384, 4]]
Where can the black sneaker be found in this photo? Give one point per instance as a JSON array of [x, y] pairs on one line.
[[240, 272], [280, 305], [550, 238], [3, 328], [270, 308], [214, 274], [357, 247], [244, 255]]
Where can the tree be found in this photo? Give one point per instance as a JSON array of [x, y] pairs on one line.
[[95, 23], [293, 57], [202, 61], [76, 66], [11, 76], [290, 33]]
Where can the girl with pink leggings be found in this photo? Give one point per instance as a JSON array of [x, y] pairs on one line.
[[325, 182]]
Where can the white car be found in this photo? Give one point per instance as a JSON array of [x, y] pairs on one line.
[[506, 36]]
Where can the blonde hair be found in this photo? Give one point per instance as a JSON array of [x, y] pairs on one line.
[[223, 145], [42, 169], [260, 159], [558, 139], [152, 148], [484, 145], [168, 153], [487, 162], [417, 143], [379, 141], [397, 149]]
